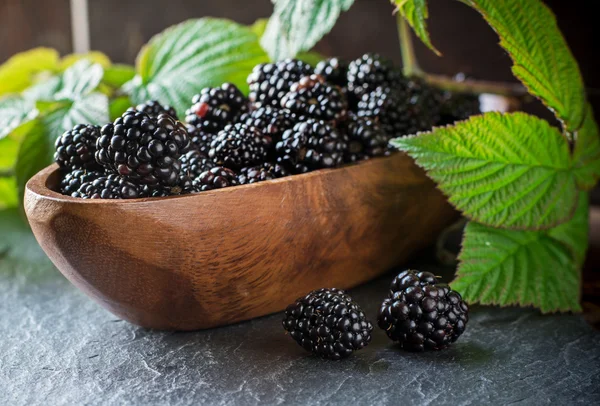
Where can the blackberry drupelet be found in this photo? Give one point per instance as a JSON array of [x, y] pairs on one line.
[[109, 187], [370, 71], [154, 109], [312, 97], [311, 144], [334, 70], [270, 121], [422, 314], [271, 81], [215, 107], [73, 180], [215, 178], [194, 162], [328, 323], [75, 149], [238, 146], [457, 107], [393, 111], [365, 139], [266, 171], [201, 140], [143, 150]]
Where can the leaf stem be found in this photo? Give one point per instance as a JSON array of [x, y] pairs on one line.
[[476, 86], [409, 59]]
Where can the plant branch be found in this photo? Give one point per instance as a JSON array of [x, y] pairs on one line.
[[409, 59], [476, 86]]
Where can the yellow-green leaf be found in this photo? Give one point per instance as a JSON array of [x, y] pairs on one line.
[[502, 170], [20, 71], [93, 57], [541, 56], [416, 13]]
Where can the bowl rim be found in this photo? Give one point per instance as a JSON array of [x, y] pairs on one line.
[[38, 184]]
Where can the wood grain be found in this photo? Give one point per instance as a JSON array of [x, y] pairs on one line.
[[219, 257]]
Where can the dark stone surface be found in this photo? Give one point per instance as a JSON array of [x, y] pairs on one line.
[[59, 348]]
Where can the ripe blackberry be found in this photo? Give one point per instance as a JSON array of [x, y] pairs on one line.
[[215, 178], [312, 97], [215, 107], [271, 81], [365, 139], [73, 180], [201, 140], [457, 107], [266, 171], [422, 314], [238, 146], [75, 148], [424, 102], [311, 144], [143, 150], [154, 109], [184, 186], [334, 70], [194, 162], [394, 112], [109, 187], [328, 323], [270, 121], [370, 71]]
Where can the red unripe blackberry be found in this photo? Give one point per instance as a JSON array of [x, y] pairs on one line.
[[328, 323], [422, 314], [215, 107]]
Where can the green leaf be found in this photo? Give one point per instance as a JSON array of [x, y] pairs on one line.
[[416, 13], [537, 268], [117, 75], [33, 154], [502, 170], [297, 25], [92, 57], [9, 148], [118, 106], [184, 59], [80, 79], [44, 90], [8, 193], [20, 71], [14, 110], [586, 156], [541, 56]]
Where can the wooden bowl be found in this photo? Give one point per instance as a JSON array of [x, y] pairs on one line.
[[219, 257]]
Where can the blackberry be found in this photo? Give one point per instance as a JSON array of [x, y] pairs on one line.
[[73, 180], [424, 102], [75, 148], [266, 171], [215, 107], [370, 71], [457, 107], [238, 146], [365, 139], [215, 178], [271, 81], [422, 314], [334, 70], [194, 162], [201, 140], [154, 109], [184, 186], [312, 97], [394, 112], [109, 187], [311, 144], [269, 121], [328, 323], [143, 150]]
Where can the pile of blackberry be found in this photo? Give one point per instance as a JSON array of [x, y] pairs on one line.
[[295, 119]]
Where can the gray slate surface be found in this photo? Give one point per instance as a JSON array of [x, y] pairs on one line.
[[59, 348]]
